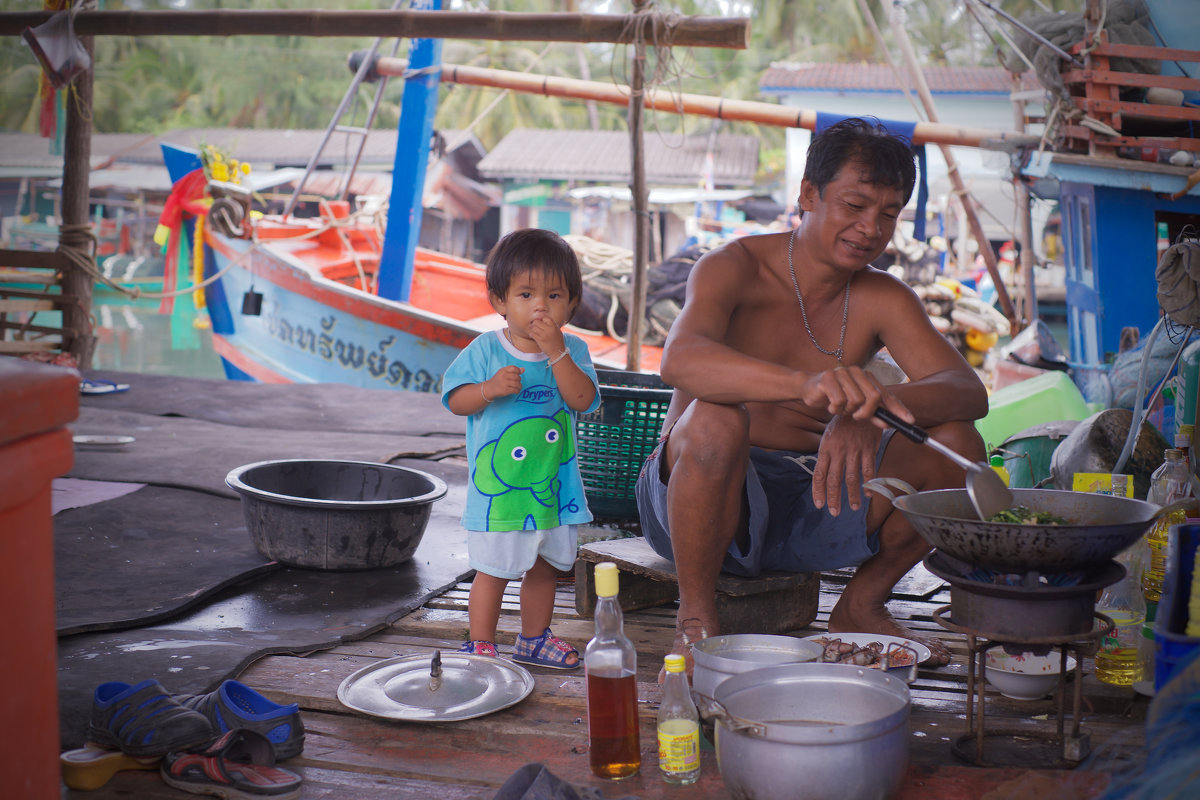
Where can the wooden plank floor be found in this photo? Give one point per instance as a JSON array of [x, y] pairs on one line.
[[350, 755]]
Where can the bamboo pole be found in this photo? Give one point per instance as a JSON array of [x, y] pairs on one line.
[[700, 105], [1029, 311], [78, 339], [641, 200], [968, 204], [691, 31]]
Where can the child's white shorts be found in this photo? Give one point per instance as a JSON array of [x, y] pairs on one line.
[[508, 554]]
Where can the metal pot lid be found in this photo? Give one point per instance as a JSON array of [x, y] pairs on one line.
[[442, 688]]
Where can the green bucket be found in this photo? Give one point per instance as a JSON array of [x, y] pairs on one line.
[[1027, 454]]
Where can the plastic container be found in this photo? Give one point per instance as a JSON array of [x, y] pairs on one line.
[[612, 442], [997, 464], [1046, 398], [610, 663], [678, 726], [1027, 454], [1172, 647]]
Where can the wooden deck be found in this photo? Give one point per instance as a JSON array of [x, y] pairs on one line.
[[350, 755]]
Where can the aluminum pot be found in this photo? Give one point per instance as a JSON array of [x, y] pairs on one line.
[[812, 732], [718, 658], [1099, 526]]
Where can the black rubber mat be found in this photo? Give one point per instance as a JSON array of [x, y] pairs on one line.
[[147, 556], [283, 611]]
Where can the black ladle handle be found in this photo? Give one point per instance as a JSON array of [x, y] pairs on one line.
[[918, 435]]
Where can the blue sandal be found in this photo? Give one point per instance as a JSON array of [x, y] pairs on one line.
[[143, 720], [546, 650], [479, 647], [236, 705]]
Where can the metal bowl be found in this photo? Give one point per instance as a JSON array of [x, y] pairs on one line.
[[335, 515], [718, 658]]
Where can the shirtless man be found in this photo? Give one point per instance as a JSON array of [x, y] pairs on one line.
[[767, 359]]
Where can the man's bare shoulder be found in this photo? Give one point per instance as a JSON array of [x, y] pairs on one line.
[[744, 256]]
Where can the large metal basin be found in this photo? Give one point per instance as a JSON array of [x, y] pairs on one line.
[[1099, 527], [812, 732], [335, 515]]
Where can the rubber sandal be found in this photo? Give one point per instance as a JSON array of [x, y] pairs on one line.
[[87, 386], [479, 647], [143, 720], [236, 705], [240, 765], [546, 650], [90, 767]]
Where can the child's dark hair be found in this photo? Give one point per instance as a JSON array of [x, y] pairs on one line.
[[530, 249], [888, 158]]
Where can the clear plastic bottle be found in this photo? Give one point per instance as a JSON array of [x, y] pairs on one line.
[[678, 726], [1117, 660], [610, 662], [997, 463], [1170, 482]]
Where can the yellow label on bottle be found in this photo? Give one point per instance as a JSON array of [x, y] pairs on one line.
[[679, 745], [1102, 483]]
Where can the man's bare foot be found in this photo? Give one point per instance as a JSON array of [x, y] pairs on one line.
[[687, 633], [883, 623]]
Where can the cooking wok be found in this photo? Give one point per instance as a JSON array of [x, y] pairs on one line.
[[1098, 527]]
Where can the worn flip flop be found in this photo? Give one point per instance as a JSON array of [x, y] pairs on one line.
[[143, 720], [546, 650], [90, 767], [92, 386], [239, 765]]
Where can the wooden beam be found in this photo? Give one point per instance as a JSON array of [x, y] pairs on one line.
[[695, 31], [8, 275], [25, 305], [33, 259], [700, 105], [19, 346]]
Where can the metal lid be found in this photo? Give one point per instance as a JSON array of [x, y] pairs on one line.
[[444, 688]]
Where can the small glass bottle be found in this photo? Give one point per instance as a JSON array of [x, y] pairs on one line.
[[610, 662], [1170, 482], [997, 463], [1117, 660], [678, 726]]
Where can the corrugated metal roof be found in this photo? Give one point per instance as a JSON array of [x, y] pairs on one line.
[[783, 77], [538, 154]]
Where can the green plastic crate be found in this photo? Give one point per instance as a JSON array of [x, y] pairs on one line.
[[613, 441]]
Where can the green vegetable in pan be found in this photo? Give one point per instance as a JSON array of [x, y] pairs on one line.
[[1022, 515]]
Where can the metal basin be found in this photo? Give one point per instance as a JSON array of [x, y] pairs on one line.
[[812, 732], [335, 515], [718, 658]]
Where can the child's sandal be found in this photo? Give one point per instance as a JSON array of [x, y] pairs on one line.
[[546, 650], [479, 647]]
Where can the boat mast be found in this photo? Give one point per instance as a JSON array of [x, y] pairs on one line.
[[417, 110]]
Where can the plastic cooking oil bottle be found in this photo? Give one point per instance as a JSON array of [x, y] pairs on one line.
[[1170, 482], [610, 661], [1117, 659]]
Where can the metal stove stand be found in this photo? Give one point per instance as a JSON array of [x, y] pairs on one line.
[[1025, 748]]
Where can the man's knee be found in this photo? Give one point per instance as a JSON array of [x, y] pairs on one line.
[[712, 436]]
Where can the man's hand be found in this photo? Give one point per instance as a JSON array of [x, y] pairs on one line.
[[848, 390], [846, 456]]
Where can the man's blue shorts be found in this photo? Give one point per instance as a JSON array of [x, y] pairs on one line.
[[787, 532]]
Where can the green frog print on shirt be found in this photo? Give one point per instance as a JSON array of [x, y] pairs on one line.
[[518, 471]]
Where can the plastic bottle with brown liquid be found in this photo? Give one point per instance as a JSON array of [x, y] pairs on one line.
[[610, 662]]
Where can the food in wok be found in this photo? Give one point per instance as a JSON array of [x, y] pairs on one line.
[[1023, 515]]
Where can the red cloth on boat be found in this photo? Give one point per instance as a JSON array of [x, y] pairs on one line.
[[183, 199]]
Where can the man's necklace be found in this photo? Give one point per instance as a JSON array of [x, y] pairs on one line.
[[841, 348]]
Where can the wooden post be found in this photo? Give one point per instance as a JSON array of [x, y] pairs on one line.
[[1029, 311], [74, 234], [641, 199]]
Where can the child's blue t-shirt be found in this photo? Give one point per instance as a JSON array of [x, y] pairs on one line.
[[521, 448]]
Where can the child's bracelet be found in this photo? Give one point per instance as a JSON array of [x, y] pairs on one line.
[[481, 394], [558, 358]]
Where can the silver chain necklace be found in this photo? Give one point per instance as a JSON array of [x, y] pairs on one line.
[[841, 348]]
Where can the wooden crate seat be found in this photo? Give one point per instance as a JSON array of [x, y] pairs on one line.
[[774, 602]]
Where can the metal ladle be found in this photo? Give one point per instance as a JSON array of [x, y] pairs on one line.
[[986, 489]]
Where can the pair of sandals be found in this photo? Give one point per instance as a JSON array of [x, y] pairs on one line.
[[546, 650]]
